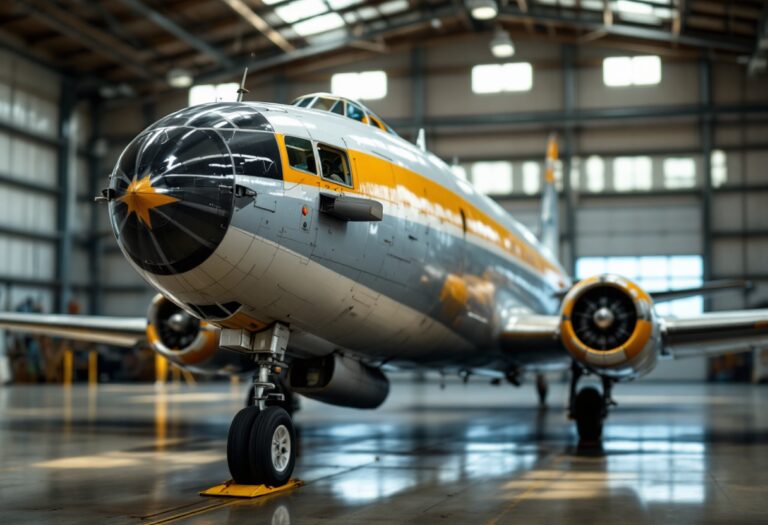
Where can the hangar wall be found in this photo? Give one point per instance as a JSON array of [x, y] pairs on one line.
[[29, 116], [698, 107]]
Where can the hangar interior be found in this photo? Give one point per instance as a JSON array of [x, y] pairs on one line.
[[660, 108]]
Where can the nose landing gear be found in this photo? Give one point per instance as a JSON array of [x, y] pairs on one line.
[[261, 445], [589, 407]]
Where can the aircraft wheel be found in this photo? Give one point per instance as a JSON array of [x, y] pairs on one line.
[[589, 413], [272, 447], [238, 443]]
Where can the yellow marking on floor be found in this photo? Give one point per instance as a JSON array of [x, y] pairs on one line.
[[234, 490]]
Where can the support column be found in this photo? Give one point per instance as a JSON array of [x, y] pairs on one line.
[[706, 145], [568, 140], [67, 193], [418, 89], [96, 181]]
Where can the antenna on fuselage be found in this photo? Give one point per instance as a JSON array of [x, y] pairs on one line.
[[421, 139], [241, 90]]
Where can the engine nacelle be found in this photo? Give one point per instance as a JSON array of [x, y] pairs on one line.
[[339, 380], [608, 324], [190, 343]]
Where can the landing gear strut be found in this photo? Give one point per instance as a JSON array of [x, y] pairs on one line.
[[261, 446], [589, 407]]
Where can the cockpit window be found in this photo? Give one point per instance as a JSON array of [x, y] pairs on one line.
[[338, 107], [376, 122], [300, 154], [323, 103], [355, 112], [303, 102], [334, 165]]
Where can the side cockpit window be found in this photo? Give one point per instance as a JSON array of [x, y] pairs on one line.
[[300, 154], [334, 165], [355, 112]]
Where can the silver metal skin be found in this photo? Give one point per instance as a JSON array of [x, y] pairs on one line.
[[603, 318]]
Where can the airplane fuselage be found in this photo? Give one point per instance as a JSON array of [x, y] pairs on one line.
[[230, 227]]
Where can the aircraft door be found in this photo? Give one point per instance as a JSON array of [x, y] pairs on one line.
[[342, 244]]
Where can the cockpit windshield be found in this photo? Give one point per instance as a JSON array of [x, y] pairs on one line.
[[342, 106]]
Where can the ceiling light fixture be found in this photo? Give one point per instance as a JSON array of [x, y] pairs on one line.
[[501, 44], [482, 9], [179, 78]]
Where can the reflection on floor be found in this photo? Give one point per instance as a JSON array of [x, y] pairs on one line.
[[467, 454]]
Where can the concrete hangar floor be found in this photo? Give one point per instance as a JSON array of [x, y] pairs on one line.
[[128, 454]]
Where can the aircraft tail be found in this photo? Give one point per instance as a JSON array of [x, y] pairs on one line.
[[549, 233]]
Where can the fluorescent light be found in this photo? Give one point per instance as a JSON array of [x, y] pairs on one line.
[[482, 9], [499, 78], [366, 85], [179, 78], [395, 6], [501, 44], [319, 24], [341, 4], [300, 9]]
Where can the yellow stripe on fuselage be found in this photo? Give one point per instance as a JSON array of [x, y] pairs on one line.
[[377, 178]]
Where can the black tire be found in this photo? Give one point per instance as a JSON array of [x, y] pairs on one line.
[[263, 468], [589, 413], [238, 445]]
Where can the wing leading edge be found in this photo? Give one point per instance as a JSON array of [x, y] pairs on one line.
[[119, 331], [704, 335]]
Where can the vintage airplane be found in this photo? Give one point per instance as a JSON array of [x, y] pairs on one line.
[[309, 243]]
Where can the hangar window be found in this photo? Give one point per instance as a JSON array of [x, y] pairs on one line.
[[594, 170], [501, 78], [492, 178], [300, 154], [334, 165], [205, 93], [719, 168], [366, 85], [632, 71], [632, 173], [531, 177], [679, 173], [654, 274]]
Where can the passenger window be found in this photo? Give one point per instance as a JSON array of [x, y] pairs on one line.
[[338, 107], [334, 165], [323, 103], [300, 154], [355, 112]]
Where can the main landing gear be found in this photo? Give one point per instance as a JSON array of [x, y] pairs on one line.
[[589, 407], [261, 446]]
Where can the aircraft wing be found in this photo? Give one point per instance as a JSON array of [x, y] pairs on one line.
[[119, 331], [704, 335], [716, 333]]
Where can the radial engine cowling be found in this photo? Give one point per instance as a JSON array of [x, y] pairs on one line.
[[608, 324], [189, 342]]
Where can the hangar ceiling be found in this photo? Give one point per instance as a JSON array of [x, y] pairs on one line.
[[136, 43]]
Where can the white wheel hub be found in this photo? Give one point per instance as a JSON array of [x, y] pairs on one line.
[[281, 448]]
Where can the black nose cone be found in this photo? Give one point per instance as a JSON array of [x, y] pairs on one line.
[[174, 198]]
